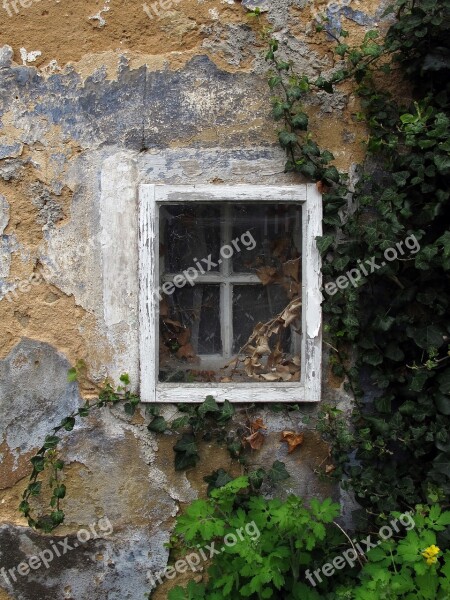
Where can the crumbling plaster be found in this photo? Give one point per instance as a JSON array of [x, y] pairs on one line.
[[180, 99]]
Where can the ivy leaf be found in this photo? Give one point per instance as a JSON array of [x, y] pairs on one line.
[[208, 406], [300, 121], [51, 441], [68, 423], [331, 174], [442, 163], [287, 139], [217, 480], [129, 408], [227, 412], [186, 452], [278, 472], [158, 424]]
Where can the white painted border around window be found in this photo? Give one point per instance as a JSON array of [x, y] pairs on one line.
[[306, 390]]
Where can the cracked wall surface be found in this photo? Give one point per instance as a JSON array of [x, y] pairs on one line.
[[96, 98]]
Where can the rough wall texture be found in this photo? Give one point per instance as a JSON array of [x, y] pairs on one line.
[[96, 97]]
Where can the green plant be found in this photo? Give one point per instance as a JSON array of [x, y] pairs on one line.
[[47, 458], [413, 568], [294, 540], [393, 323], [266, 565]]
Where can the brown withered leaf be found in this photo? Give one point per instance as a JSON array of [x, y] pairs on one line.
[[257, 424], [184, 336], [270, 376], [262, 347], [291, 312], [329, 468], [175, 324], [164, 308], [267, 274], [255, 440], [292, 439], [280, 247], [187, 351], [291, 269]]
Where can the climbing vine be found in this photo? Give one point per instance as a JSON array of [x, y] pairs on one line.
[[394, 320]]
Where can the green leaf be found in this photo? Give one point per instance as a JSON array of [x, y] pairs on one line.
[[72, 374], [59, 491], [51, 441], [38, 463], [129, 408], [300, 121], [217, 480], [125, 378], [57, 516], [186, 444], [442, 163], [68, 423], [208, 406], [278, 472], [331, 174], [158, 424], [287, 139], [226, 413]]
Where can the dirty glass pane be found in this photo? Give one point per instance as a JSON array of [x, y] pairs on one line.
[[189, 326], [254, 304], [276, 231], [251, 277], [266, 317], [189, 233]]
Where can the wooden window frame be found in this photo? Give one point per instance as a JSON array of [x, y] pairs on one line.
[[308, 389]]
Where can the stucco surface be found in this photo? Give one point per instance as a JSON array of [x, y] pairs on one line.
[[112, 98]]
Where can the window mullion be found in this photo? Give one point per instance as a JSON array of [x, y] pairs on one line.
[[226, 289]]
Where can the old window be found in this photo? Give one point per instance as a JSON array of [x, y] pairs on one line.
[[230, 293]]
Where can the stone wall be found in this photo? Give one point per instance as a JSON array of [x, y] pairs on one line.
[[95, 98]]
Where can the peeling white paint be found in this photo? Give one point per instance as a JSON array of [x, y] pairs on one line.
[[29, 57]]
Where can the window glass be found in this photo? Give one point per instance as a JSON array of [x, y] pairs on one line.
[[230, 288]]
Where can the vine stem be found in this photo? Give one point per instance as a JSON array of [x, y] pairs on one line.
[[352, 544]]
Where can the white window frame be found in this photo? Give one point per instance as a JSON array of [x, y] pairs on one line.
[[308, 389]]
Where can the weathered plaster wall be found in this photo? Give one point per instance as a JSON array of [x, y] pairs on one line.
[[105, 106]]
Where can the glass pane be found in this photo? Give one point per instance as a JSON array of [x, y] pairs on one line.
[[189, 326], [276, 231], [254, 304], [267, 334], [189, 233]]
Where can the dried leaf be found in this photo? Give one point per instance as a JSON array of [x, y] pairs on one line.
[[184, 336], [329, 468], [291, 312], [291, 269], [267, 274], [274, 358], [255, 440], [257, 424], [186, 351], [263, 346], [292, 439], [270, 376]]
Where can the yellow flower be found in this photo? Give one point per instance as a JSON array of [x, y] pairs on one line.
[[430, 554]]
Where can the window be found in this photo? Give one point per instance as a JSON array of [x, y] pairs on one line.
[[230, 293]]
